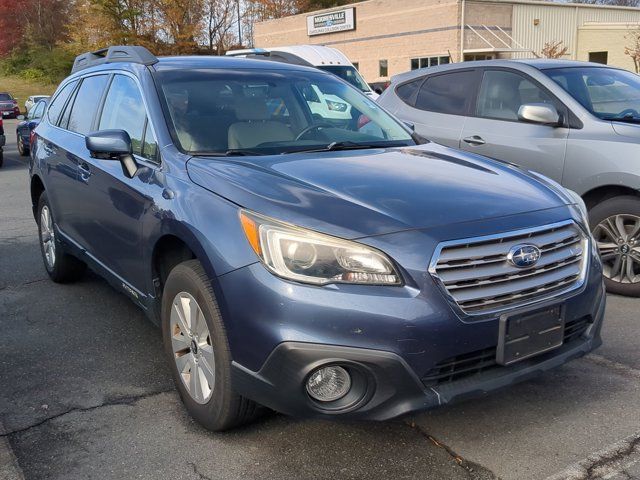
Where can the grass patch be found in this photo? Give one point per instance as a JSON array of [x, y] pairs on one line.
[[23, 89]]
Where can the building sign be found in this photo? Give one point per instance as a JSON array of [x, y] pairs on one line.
[[337, 21]]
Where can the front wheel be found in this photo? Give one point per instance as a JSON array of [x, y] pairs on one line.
[[616, 229], [196, 344]]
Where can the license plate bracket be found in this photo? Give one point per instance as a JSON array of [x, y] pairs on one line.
[[528, 334]]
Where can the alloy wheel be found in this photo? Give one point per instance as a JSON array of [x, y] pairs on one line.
[[192, 347], [47, 237], [618, 240]]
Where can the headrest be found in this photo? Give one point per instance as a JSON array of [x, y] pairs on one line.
[[252, 109]]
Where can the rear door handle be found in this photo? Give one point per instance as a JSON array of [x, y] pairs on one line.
[[474, 140]]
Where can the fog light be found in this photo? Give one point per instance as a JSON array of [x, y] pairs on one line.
[[327, 384]]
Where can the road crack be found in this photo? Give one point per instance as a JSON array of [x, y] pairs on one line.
[[201, 476], [128, 400], [603, 463], [474, 470], [609, 458]]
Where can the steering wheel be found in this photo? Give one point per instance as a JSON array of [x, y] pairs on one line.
[[310, 128], [629, 112]]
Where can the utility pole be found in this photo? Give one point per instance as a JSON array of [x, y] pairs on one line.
[[239, 24]]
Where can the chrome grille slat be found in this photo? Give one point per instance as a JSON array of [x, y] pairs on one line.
[[516, 299], [479, 279], [498, 269], [500, 258], [493, 280], [501, 247]]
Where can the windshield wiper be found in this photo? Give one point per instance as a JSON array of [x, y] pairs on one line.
[[228, 153], [622, 119], [347, 145]]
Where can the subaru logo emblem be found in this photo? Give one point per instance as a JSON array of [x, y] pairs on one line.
[[523, 256]]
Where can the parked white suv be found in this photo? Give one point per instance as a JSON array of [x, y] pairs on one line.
[[325, 58]]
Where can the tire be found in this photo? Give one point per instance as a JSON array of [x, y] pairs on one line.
[[615, 225], [1, 158], [223, 408], [22, 149], [61, 266]]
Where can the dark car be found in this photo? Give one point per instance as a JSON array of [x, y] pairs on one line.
[[24, 130], [2, 142], [8, 106], [301, 264]]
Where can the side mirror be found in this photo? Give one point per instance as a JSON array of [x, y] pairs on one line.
[[20, 117], [113, 145], [542, 113]]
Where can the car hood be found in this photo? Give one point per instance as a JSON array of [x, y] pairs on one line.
[[630, 130], [361, 193]]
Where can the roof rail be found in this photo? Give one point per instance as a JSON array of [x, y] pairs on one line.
[[114, 54]]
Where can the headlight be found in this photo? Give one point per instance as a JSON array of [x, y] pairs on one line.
[[306, 256], [337, 106]]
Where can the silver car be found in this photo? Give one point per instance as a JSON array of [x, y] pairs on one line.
[[577, 123]]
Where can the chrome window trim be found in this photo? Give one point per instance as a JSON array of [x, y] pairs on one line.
[[586, 244]]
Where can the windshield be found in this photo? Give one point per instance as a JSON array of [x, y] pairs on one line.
[[350, 74], [5, 96], [270, 112], [608, 93]]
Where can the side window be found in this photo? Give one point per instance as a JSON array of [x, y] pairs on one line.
[[407, 91], [502, 93], [124, 110], [38, 110], [86, 103], [449, 93], [150, 145], [56, 106]]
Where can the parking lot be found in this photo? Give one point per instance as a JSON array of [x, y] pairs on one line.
[[85, 393]]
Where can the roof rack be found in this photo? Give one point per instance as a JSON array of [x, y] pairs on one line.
[[114, 54]]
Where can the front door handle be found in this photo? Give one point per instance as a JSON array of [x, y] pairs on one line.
[[474, 140], [85, 171]]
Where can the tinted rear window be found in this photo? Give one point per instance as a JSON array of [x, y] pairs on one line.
[[5, 96], [86, 104], [450, 93], [58, 102], [406, 92]]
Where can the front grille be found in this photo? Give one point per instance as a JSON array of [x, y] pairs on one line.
[[478, 277], [469, 364]]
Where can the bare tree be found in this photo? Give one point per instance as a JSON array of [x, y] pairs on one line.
[[220, 19], [633, 50], [554, 49]]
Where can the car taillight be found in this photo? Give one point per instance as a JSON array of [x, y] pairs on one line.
[[32, 138]]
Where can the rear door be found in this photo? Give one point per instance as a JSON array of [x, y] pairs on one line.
[[114, 204], [59, 168], [437, 105], [494, 129]]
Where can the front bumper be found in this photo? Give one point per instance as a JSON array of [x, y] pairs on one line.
[[392, 388]]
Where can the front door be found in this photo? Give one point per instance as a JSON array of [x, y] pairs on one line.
[[496, 131], [113, 203]]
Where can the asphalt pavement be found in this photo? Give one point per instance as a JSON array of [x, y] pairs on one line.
[[85, 393]]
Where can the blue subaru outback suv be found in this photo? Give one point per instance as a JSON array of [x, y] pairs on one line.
[[319, 265]]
